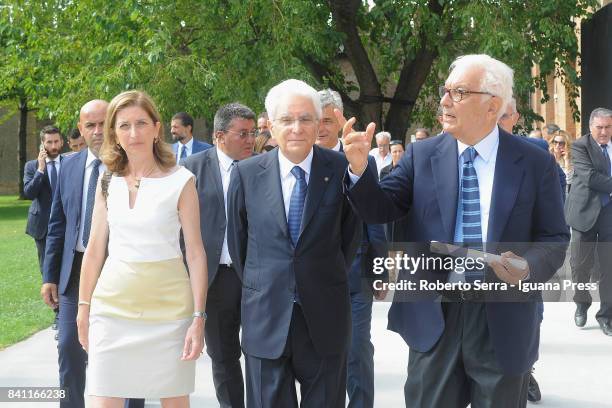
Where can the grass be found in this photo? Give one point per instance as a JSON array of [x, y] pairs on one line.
[[22, 311]]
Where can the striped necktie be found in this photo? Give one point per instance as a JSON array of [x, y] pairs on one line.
[[296, 204], [470, 210]]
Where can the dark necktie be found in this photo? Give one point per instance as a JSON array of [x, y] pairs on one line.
[[605, 197], [470, 210], [296, 204], [53, 176], [91, 198], [183, 152]]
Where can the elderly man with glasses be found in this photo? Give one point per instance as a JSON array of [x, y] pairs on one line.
[[478, 186]]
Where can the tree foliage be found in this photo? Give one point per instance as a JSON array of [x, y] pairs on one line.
[[386, 57]]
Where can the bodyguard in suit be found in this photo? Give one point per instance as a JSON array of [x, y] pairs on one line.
[[292, 236], [478, 185], [589, 212], [360, 374], [181, 129], [67, 238], [234, 127], [39, 181]]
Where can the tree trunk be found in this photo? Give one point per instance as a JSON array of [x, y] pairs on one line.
[[21, 149]]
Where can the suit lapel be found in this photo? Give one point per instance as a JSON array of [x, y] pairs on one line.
[[506, 184], [78, 184], [272, 190], [446, 175], [320, 177], [596, 154], [212, 161]]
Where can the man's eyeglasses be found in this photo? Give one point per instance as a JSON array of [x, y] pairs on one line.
[[243, 134], [305, 121], [457, 94]]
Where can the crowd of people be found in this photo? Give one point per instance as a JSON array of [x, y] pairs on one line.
[[262, 244]]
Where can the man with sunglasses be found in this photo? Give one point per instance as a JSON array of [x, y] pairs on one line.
[[234, 127], [479, 186]]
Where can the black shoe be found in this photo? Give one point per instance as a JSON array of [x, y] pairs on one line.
[[606, 326], [580, 317], [533, 389]]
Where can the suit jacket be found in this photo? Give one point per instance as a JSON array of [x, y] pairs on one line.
[[590, 180], [525, 208], [65, 221], [273, 270], [37, 187], [205, 166], [196, 148]]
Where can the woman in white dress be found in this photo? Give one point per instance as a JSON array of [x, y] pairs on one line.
[[141, 315]]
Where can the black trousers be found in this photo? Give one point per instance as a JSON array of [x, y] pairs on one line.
[[462, 368], [271, 382], [223, 337], [40, 249], [582, 252]]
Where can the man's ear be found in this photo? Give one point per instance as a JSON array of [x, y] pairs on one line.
[[495, 105]]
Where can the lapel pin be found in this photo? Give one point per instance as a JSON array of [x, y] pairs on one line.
[[326, 179]]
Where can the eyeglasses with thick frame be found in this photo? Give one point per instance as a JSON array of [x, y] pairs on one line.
[[243, 134], [457, 94]]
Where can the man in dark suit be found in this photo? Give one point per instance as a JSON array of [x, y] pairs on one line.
[[234, 127], [589, 212], [39, 181], [67, 238], [181, 129], [292, 236], [478, 185], [360, 373]]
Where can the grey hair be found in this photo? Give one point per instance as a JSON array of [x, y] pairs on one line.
[[331, 97], [383, 135], [229, 112], [497, 78], [291, 87], [599, 113]]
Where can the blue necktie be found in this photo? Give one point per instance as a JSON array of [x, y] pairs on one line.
[[53, 176], [470, 210], [605, 198], [184, 152], [91, 198], [296, 204]]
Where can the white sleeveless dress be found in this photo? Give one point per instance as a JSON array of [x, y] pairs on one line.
[[142, 305]]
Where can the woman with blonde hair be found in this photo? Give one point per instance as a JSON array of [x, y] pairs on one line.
[[560, 147], [141, 316]]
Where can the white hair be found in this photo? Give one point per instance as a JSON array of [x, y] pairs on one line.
[[383, 135], [497, 78], [291, 87], [329, 97]]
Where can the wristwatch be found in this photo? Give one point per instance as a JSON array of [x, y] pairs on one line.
[[200, 314]]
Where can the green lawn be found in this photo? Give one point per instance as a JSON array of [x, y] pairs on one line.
[[22, 311]]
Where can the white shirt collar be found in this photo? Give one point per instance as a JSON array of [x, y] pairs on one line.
[[189, 144], [224, 160], [286, 165], [485, 148], [90, 158], [337, 146], [56, 160]]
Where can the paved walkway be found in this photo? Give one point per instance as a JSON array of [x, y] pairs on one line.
[[574, 371]]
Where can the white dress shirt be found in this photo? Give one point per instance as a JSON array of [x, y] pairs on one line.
[[180, 145], [288, 179], [57, 166], [88, 168], [337, 146], [380, 161], [226, 165]]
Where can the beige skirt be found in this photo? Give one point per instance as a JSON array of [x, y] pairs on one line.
[[140, 313]]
